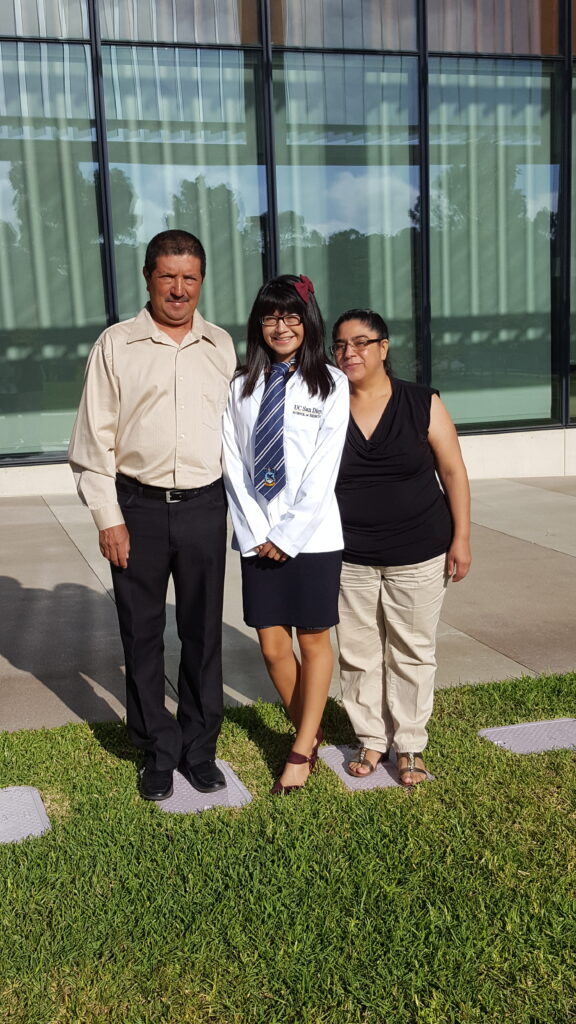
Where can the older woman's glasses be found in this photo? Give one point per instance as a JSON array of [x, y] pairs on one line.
[[357, 344], [290, 319]]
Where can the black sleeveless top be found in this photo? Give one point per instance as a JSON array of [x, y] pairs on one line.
[[393, 509]]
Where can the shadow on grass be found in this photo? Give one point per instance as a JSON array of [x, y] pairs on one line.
[[113, 737], [265, 725]]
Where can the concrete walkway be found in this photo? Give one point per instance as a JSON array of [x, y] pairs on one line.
[[61, 660]]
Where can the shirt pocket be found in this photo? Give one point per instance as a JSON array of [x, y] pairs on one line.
[[214, 398]]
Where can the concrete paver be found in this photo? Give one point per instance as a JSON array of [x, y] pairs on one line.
[[535, 514], [519, 601], [61, 658]]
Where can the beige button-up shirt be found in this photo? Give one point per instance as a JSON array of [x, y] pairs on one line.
[[152, 409]]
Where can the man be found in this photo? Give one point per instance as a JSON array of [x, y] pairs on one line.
[[145, 452]]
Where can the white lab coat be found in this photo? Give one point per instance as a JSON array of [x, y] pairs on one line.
[[304, 516]]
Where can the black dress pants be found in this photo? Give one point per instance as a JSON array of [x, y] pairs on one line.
[[185, 539]]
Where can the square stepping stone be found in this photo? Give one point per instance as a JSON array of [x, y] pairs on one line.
[[384, 776], [187, 800], [22, 814], [534, 737]]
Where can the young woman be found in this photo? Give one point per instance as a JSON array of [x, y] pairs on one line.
[[284, 430], [405, 536]]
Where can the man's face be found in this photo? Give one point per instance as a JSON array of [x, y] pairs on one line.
[[174, 289]]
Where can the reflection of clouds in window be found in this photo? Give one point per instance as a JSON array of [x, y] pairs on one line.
[[7, 195], [370, 200], [538, 183], [154, 187]]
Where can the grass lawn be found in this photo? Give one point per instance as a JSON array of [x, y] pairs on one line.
[[453, 904]]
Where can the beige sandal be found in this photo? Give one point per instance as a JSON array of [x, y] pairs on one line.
[[411, 768], [362, 759]]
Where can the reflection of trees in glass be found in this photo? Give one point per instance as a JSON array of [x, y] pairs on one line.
[[234, 249], [51, 287], [353, 269], [56, 250], [490, 275], [126, 222]]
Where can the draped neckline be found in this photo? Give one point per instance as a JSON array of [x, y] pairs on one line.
[[377, 434]]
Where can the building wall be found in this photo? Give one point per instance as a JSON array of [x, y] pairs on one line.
[[295, 136]]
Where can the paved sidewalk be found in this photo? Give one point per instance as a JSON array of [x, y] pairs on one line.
[[61, 660]]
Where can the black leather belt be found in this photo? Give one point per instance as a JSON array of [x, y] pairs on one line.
[[128, 483]]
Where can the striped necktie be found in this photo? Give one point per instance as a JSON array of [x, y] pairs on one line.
[[269, 469]]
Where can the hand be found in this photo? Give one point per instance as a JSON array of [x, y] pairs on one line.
[[458, 559], [269, 550], [115, 545]]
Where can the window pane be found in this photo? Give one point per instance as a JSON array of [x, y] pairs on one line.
[[346, 148], [345, 24], [51, 292], [180, 21], [482, 26], [65, 19], [493, 193], [183, 148]]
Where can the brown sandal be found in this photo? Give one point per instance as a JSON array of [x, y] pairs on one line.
[[362, 759], [411, 768]]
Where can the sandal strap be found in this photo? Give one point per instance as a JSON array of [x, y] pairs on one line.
[[363, 760], [411, 766], [295, 758]]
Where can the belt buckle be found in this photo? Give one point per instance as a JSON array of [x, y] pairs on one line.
[[174, 496]]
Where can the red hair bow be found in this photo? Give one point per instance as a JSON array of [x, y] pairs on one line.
[[304, 287]]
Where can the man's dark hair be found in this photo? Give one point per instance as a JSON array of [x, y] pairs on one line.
[[174, 243]]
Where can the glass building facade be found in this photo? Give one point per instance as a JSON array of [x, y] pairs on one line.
[[411, 156]]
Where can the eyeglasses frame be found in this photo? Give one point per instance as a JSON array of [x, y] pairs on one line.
[[354, 345], [277, 320]]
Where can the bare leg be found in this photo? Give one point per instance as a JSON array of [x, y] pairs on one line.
[[283, 667], [315, 676]]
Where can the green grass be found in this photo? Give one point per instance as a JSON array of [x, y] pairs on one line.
[[453, 904]]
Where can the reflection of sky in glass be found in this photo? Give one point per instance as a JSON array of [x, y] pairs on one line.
[[368, 200], [537, 183], [7, 195], [365, 199], [155, 185]]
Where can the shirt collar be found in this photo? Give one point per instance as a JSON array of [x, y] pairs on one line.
[[144, 328]]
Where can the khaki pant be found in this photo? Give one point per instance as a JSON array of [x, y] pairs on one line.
[[387, 641]]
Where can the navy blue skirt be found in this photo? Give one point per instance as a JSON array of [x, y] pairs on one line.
[[300, 592]]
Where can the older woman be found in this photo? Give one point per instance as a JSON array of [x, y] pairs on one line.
[[405, 536]]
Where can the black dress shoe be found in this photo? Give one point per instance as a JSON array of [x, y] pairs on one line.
[[205, 776], [156, 785]]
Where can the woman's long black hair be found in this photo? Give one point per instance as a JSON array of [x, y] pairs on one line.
[[372, 320], [280, 296]]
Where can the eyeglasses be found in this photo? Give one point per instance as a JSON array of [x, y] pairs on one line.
[[290, 320], [358, 345]]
